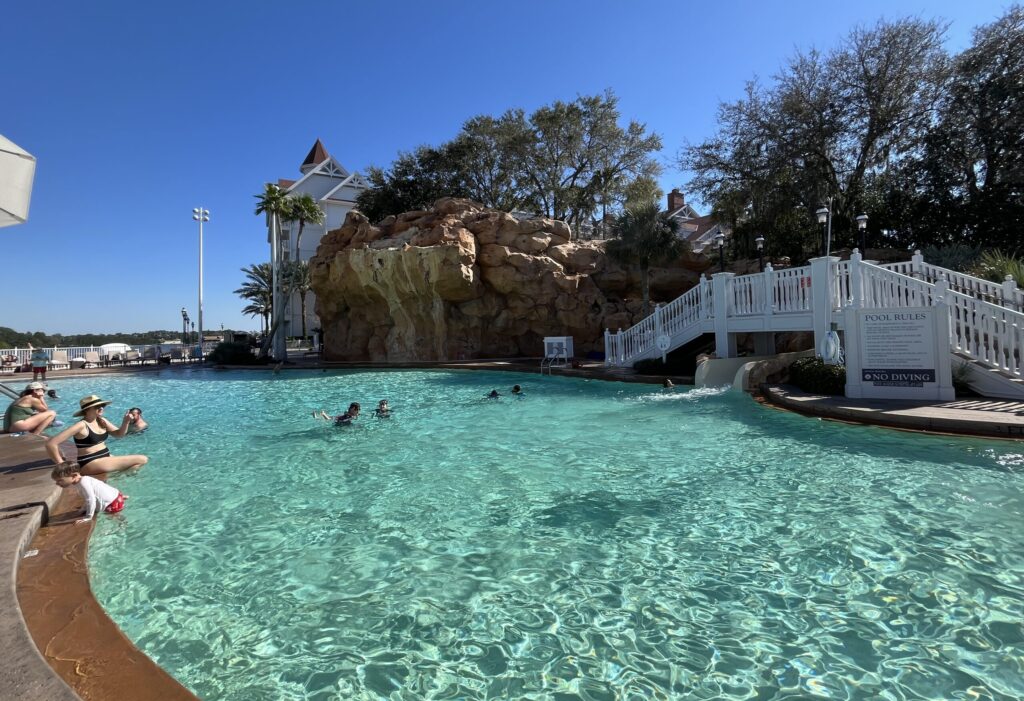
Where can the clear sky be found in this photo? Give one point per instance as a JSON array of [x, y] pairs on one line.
[[139, 111]]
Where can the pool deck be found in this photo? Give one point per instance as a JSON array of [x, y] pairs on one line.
[[46, 602]]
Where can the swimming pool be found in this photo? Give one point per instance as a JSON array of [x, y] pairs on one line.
[[592, 540]]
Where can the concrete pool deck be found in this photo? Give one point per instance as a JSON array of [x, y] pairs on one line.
[[83, 647]]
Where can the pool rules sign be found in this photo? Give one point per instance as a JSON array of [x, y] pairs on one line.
[[900, 353]]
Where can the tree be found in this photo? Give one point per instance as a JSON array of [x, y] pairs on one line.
[[274, 203], [645, 236], [565, 161], [297, 280], [828, 128], [257, 291], [303, 208]]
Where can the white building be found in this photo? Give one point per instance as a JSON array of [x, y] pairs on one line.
[[335, 189], [699, 230]]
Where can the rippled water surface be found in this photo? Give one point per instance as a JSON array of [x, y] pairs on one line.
[[589, 541]]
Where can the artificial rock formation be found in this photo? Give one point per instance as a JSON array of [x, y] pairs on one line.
[[460, 281]]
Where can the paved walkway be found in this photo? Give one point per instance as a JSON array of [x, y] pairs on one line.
[[989, 418], [27, 495]]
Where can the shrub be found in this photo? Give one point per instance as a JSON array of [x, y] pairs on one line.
[[233, 354], [996, 265], [956, 256], [813, 375]]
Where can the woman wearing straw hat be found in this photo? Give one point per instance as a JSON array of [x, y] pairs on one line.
[[29, 413], [90, 436]]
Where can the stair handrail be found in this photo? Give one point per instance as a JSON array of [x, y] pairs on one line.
[[671, 319], [1005, 293], [990, 334]]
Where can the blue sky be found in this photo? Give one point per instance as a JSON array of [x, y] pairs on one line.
[[137, 112]]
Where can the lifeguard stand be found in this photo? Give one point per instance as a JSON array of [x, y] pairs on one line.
[[558, 352]]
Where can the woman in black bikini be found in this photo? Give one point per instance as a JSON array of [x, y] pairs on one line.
[[90, 436]]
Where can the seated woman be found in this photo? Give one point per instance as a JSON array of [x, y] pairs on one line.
[[29, 413], [90, 436]]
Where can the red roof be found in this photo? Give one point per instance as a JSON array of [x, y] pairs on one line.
[[284, 184], [317, 155]]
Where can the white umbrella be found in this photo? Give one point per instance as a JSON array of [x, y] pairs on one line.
[[17, 168], [109, 348]]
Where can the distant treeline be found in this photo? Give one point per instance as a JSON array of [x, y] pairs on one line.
[[9, 338]]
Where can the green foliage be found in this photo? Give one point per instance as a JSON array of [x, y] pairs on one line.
[[956, 256], [813, 375], [645, 237], [930, 146], [303, 209], [256, 289], [9, 338], [567, 160], [233, 354], [996, 265]]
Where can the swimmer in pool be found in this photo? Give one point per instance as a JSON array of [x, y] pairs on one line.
[[345, 419]]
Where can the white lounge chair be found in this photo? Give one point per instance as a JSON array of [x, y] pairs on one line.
[[92, 358], [59, 360], [132, 356]]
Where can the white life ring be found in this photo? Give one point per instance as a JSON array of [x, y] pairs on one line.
[[663, 342]]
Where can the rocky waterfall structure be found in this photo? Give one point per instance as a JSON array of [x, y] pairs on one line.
[[460, 281]]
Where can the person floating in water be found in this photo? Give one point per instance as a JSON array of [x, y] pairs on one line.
[[137, 423], [345, 419], [517, 390], [668, 384], [494, 394], [383, 411]]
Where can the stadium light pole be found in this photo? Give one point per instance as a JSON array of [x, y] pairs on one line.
[[200, 215]]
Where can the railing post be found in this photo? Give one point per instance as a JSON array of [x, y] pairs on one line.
[[607, 349], [917, 265], [1010, 293], [856, 279], [821, 298], [721, 287], [769, 290]]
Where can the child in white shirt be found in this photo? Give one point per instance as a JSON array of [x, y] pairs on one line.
[[97, 495]]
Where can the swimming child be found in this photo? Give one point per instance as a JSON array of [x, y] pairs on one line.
[[668, 384], [345, 419], [494, 394], [97, 494], [516, 389], [383, 411]]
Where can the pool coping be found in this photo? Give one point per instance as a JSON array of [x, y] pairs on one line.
[[62, 560]]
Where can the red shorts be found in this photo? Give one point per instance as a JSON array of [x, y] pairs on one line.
[[116, 505]]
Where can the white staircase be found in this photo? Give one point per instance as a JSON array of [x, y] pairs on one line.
[[986, 320]]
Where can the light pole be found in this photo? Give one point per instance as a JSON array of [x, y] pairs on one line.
[[760, 251], [200, 215], [825, 219], [184, 328], [862, 227], [720, 240]]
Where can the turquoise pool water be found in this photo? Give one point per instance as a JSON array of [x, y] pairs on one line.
[[590, 541]]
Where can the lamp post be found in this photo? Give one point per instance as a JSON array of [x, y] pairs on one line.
[[720, 240], [200, 215], [862, 227], [760, 251], [184, 328], [825, 219], [197, 338]]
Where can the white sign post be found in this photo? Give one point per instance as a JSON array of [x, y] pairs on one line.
[[899, 353]]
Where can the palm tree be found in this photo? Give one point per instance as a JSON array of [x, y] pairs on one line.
[[304, 209], [297, 280], [645, 236], [274, 203], [257, 290]]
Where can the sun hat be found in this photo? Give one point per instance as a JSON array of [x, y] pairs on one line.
[[34, 386], [93, 400]]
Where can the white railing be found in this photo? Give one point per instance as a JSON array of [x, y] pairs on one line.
[[986, 319], [1007, 293], [792, 290], [23, 356]]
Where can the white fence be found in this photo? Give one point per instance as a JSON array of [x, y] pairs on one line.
[[22, 356], [986, 319]]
